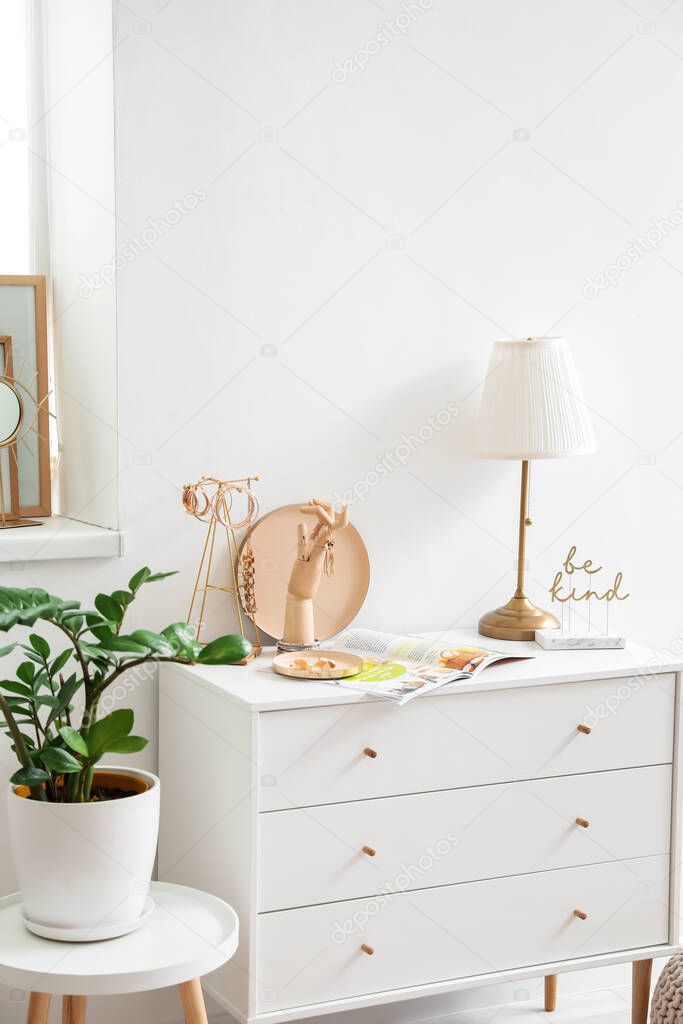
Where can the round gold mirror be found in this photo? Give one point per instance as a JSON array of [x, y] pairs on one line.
[[10, 412]]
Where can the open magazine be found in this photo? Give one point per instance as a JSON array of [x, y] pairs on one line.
[[399, 668]]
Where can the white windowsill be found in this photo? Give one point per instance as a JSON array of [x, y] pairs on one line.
[[59, 538]]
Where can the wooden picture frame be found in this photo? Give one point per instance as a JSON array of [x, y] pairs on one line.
[[12, 458], [43, 507]]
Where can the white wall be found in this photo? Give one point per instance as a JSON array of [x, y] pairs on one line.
[[359, 247]]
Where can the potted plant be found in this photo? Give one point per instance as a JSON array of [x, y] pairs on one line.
[[83, 837]]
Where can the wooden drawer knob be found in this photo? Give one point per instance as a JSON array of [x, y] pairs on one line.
[[369, 850], [369, 752], [367, 949], [580, 914], [585, 729], [583, 823]]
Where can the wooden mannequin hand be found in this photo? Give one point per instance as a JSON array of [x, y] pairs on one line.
[[308, 568]]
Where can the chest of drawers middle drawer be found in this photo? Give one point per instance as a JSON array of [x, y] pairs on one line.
[[349, 850]]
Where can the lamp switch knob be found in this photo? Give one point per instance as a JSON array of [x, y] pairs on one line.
[[369, 752], [580, 914], [585, 729], [369, 851], [583, 822], [367, 949]]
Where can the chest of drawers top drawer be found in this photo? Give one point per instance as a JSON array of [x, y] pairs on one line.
[[330, 754]]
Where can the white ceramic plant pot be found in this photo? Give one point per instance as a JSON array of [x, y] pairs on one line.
[[84, 869]]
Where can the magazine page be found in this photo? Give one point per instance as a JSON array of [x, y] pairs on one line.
[[399, 668], [398, 681]]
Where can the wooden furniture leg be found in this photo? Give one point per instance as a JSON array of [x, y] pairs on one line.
[[192, 999], [550, 992], [38, 1008], [73, 1009], [640, 990]]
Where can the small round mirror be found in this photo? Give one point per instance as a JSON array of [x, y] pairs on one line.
[[10, 412]]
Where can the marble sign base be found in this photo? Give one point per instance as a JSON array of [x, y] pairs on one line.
[[557, 640]]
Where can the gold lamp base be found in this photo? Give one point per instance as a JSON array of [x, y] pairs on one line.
[[517, 620]]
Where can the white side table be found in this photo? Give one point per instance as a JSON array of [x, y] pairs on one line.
[[189, 934]]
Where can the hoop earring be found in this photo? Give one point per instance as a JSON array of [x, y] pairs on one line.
[[192, 494], [219, 507]]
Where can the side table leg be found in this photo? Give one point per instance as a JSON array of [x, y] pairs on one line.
[[38, 1008], [73, 1009], [640, 990], [550, 992], [192, 999]]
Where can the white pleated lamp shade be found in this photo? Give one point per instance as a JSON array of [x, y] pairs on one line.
[[532, 406]]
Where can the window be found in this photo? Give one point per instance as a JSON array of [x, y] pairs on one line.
[[56, 95], [15, 172]]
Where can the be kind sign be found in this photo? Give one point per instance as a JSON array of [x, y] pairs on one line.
[[585, 593], [566, 588]]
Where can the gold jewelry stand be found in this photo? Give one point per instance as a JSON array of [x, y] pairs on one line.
[[519, 618], [210, 501]]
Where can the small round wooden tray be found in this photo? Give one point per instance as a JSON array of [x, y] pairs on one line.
[[345, 664]]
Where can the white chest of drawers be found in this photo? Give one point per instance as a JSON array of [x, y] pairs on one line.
[[377, 853]]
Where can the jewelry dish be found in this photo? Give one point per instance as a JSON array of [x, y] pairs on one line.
[[317, 664]]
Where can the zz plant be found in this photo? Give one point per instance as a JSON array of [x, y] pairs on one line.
[[57, 756]]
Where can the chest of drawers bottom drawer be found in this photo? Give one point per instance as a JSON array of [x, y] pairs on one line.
[[316, 954]]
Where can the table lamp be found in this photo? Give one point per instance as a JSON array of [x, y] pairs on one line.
[[531, 408]]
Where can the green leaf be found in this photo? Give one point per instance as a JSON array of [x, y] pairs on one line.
[[7, 650], [58, 760], [183, 638], [112, 727], [31, 654], [140, 577], [95, 619], [73, 739], [95, 653], [25, 607], [71, 613], [155, 577], [29, 776], [127, 745], [123, 597], [26, 672], [66, 694], [46, 702], [19, 704], [108, 607], [154, 641], [60, 661], [28, 740], [123, 645], [226, 650], [39, 645], [102, 633], [12, 687]]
